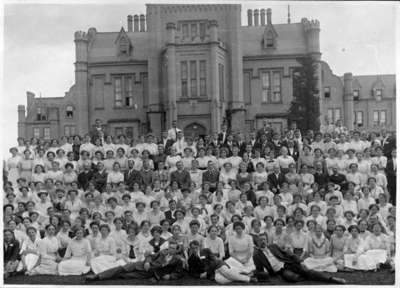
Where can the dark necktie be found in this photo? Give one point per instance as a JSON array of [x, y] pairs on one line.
[[131, 252]]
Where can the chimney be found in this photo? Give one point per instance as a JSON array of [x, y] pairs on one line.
[[129, 23], [256, 15], [249, 17], [136, 23], [262, 17], [142, 23], [269, 12]]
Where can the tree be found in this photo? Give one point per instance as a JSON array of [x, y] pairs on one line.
[[304, 109]]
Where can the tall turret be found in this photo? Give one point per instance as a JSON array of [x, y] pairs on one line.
[[81, 81], [312, 29]]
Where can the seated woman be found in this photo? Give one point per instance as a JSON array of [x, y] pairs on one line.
[[241, 249], [319, 252], [351, 247], [337, 246], [76, 260], [374, 251], [48, 254], [131, 252], [29, 250], [105, 252], [214, 243], [299, 240], [11, 253]]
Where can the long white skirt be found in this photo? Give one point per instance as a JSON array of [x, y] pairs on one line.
[[30, 262], [73, 266], [105, 262], [325, 264], [246, 268], [47, 266], [366, 261], [226, 275]]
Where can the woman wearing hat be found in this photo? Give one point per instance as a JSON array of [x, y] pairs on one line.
[[12, 166]]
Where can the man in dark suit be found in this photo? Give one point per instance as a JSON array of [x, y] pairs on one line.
[[265, 130], [320, 176], [293, 149], [166, 142], [170, 213], [167, 264], [132, 176], [100, 177], [211, 175], [391, 169], [277, 261], [97, 131], [214, 142], [223, 135], [275, 179], [181, 176], [85, 176], [388, 144], [11, 252], [229, 143]]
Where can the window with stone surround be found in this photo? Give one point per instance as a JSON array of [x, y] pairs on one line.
[[192, 29], [356, 94], [40, 114], [46, 133], [36, 132], [69, 111], [203, 75], [193, 78], [123, 91], [271, 90], [379, 117], [184, 79], [359, 118], [221, 79], [69, 130]]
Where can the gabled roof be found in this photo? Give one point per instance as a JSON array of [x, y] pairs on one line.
[[367, 83]]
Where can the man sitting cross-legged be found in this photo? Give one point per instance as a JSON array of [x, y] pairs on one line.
[[277, 261], [166, 264]]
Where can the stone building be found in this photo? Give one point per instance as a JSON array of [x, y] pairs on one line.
[[199, 65]]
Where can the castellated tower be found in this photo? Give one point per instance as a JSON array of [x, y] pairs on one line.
[[81, 81]]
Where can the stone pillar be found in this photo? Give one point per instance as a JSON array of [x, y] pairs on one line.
[[130, 23], [256, 15], [136, 23], [215, 101], [142, 23], [249, 17], [81, 82], [269, 16], [21, 121], [348, 101], [262, 17], [54, 121], [171, 77], [235, 74]]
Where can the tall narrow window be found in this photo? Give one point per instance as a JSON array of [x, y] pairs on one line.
[[330, 116], [382, 117], [337, 114], [202, 30], [46, 133], [129, 132], [118, 131], [246, 87], [40, 115], [359, 119], [276, 95], [270, 39], [221, 76], [67, 131], [265, 86], [185, 30], [193, 79], [129, 91], [193, 30], [203, 82], [376, 118], [184, 78], [73, 130], [378, 94], [36, 132], [356, 94], [118, 91]]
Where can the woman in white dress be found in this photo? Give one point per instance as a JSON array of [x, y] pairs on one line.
[[29, 250], [48, 254], [172, 159], [214, 243], [105, 252], [319, 251], [374, 251], [351, 247], [12, 166], [241, 249], [76, 260], [227, 174]]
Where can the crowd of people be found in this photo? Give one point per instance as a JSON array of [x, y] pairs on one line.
[[227, 206]]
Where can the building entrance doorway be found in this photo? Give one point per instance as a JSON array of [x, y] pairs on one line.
[[194, 130]]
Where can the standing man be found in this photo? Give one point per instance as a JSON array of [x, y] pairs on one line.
[[223, 134], [173, 132], [390, 170], [97, 131], [181, 176]]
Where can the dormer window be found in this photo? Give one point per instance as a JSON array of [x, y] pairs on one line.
[[356, 94], [40, 115], [123, 46], [378, 94], [69, 112], [270, 39]]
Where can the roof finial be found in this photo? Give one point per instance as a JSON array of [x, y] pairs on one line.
[[288, 14]]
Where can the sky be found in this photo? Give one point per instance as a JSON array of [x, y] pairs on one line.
[[39, 52]]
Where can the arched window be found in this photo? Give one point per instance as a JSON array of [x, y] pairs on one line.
[[69, 111]]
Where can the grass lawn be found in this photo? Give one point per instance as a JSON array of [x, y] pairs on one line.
[[382, 277]]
